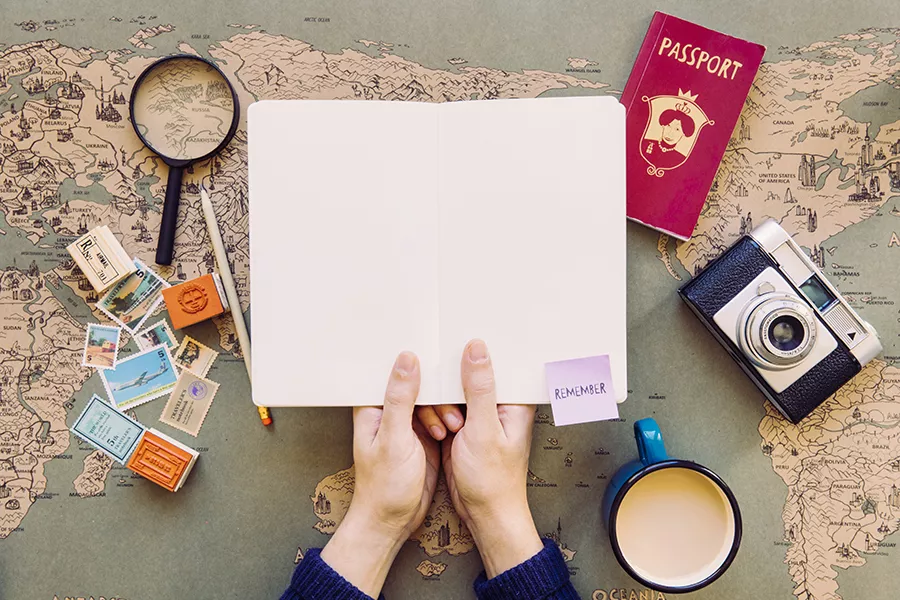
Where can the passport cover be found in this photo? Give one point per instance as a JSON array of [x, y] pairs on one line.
[[682, 101]]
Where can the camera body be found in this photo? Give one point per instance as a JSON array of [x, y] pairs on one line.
[[786, 326]]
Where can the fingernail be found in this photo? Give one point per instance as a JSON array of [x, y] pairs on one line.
[[478, 352], [405, 364], [436, 432], [452, 421]]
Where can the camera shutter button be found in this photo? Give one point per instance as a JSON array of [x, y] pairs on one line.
[[765, 288]]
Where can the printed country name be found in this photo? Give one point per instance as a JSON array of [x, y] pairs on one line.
[[625, 594], [592, 389], [844, 273], [77, 495], [542, 485], [777, 122], [97, 145], [87, 598], [64, 123], [204, 140], [846, 486], [880, 301], [776, 177], [694, 56]]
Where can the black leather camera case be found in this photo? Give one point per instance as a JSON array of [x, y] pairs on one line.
[[722, 280]]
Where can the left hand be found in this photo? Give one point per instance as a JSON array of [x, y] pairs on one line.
[[397, 465]]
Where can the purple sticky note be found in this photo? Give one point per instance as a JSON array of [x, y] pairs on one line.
[[581, 390]]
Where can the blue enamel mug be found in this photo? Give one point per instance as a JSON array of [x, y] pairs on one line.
[[674, 525]]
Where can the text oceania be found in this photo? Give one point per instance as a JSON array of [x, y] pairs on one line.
[[580, 390], [694, 56]]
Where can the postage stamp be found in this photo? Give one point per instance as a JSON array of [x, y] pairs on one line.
[[108, 429], [194, 356], [101, 346], [190, 401], [156, 334], [130, 301], [141, 378]]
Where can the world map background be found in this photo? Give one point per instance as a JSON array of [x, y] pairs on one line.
[[251, 502]]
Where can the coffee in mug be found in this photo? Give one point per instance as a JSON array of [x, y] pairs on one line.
[[674, 525]]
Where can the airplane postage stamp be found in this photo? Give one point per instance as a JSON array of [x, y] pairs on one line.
[[141, 378]]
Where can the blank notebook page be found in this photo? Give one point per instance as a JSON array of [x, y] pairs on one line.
[[378, 227], [532, 223]]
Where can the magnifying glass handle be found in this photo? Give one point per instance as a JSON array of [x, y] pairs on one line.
[[165, 247]]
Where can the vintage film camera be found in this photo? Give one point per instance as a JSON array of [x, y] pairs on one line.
[[786, 326]]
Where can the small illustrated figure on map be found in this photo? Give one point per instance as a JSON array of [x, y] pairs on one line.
[[672, 130], [569, 459]]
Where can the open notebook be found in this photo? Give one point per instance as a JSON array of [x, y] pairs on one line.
[[377, 227]]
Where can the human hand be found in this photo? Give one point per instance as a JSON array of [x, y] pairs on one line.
[[486, 465], [397, 465]]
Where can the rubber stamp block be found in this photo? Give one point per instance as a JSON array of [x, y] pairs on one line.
[[195, 300], [162, 460], [101, 257]]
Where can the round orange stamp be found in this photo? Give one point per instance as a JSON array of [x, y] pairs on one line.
[[193, 298]]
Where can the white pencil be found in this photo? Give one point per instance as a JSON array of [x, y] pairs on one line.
[[228, 282]]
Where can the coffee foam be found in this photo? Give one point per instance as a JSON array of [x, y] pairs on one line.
[[675, 527]]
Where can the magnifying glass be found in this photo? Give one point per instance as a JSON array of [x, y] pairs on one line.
[[183, 109]]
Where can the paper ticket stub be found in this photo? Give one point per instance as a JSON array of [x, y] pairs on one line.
[[101, 257], [190, 401], [108, 429]]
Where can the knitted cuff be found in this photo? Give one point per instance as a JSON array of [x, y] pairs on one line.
[[314, 579], [538, 577]]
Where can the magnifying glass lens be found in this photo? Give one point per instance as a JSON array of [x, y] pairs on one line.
[[183, 108]]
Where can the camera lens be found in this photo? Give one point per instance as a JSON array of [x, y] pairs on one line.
[[786, 332], [776, 330]]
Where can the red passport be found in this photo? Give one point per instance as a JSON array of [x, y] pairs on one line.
[[682, 101]]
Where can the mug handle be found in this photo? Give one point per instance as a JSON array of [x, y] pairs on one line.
[[649, 442]]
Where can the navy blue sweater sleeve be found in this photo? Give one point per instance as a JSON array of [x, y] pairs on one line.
[[313, 579], [544, 576]]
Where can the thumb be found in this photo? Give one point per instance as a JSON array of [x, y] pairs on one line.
[[400, 395], [479, 386]]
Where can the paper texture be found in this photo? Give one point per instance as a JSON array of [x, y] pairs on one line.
[[503, 220]]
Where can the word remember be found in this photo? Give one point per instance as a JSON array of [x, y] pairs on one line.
[[593, 389]]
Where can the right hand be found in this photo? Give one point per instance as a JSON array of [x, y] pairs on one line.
[[486, 465]]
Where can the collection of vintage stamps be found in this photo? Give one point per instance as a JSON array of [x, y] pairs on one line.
[[162, 366]]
